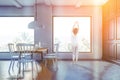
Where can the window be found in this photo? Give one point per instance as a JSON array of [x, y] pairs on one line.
[[15, 30], [62, 33]]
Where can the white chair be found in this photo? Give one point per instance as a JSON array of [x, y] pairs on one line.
[[27, 51], [13, 56], [53, 56]]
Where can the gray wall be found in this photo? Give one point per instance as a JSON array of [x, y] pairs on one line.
[[13, 11], [44, 17]]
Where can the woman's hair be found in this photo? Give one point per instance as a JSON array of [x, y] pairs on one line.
[[75, 28]]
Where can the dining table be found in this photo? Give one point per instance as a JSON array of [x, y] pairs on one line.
[[41, 51]]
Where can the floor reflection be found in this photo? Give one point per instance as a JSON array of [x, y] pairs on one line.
[[67, 70]]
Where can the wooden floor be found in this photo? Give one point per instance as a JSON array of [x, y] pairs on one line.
[[67, 70]]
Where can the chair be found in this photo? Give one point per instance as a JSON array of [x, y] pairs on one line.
[[27, 51], [53, 56], [14, 57]]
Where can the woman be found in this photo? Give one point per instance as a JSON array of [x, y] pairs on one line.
[[75, 31]]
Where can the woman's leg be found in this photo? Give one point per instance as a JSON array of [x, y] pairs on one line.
[[76, 54], [73, 54]]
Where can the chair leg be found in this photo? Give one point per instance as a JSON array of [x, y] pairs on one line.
[[55, 64], [36, 66], [23, 69], [13, 65], [32, 70], [53, 61], [26, 65], [20, 74], [10, 67], [45, 62], [56, 61]]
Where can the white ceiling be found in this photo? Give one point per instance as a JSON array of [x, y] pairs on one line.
[[76, 3]]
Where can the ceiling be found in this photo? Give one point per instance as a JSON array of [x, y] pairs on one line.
[[76, 3]]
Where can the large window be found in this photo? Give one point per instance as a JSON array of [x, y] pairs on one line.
[[15, 30], [62, 33]]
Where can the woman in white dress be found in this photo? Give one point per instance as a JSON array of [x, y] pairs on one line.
[[75, 31]]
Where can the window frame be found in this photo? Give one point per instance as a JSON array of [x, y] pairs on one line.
[[16, 17], [90, 33]]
